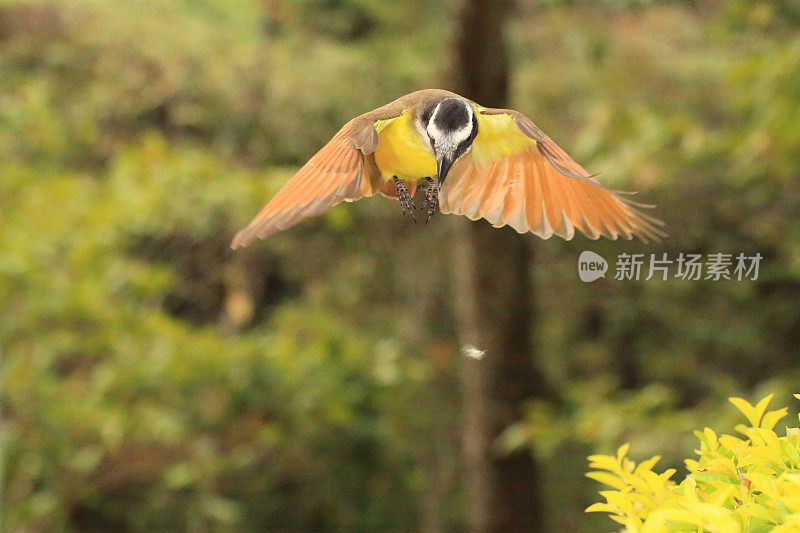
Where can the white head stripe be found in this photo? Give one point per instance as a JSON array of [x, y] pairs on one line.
[[450, 139]]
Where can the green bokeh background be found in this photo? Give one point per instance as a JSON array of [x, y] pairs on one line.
[[154, 380]]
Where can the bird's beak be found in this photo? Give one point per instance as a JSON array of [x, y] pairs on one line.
[[443, 165]]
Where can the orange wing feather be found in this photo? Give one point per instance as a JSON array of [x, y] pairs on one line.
[[544, 191], [338, 172]]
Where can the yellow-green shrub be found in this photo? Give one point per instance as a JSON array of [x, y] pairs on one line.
[[738, 484]]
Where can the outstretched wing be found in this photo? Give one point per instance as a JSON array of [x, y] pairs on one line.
[[516, 175], [343, 170]]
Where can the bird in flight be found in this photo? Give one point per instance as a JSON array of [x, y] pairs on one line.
[[471, 160]]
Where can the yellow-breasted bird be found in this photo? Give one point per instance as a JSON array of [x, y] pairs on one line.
[[489, 163]]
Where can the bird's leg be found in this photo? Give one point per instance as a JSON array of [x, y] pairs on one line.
[[431, 198], [406, 202]]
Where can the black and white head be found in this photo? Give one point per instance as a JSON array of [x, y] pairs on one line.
[[451, 128]]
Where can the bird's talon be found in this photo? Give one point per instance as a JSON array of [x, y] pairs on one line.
[[406, 202], [431, 199]]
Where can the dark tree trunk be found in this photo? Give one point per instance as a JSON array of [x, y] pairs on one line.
[[481, 68], [495, 313]]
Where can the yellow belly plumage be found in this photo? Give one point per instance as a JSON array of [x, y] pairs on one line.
[[401, 151]]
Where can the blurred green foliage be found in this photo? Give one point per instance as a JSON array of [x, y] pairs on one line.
[[154, 380]]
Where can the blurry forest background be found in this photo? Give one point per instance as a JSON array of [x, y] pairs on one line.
[[154, 380]]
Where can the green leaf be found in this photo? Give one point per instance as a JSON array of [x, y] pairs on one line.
[[790, 450], [600, 507], [607, 479], [755, 510], [772, 417], [753, 414]]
